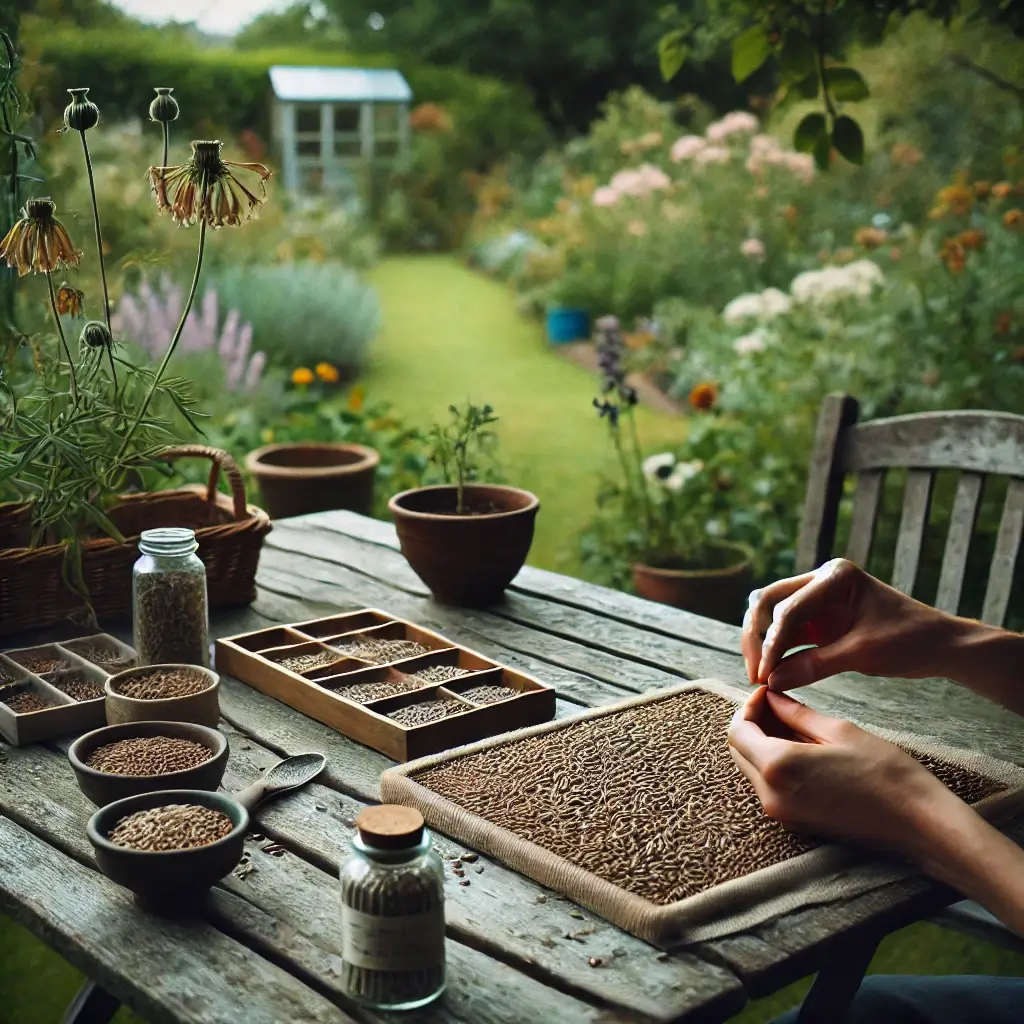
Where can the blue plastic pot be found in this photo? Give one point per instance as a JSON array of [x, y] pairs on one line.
[[565, 325]]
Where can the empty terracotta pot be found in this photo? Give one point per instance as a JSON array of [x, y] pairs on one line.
[[296, 479], [718, 593], [466, 559]]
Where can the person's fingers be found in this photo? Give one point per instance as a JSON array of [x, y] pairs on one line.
[[758, 617], [746, 736], [750, 639], [805, 721], [844, 655], [753, 776]]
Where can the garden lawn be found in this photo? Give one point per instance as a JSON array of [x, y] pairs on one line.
[[451, 334]]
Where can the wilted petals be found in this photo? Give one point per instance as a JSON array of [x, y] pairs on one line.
[[38, 241]]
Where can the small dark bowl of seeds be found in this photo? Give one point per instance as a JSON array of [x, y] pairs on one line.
[[165, 693], [125, 760], [169, 847]]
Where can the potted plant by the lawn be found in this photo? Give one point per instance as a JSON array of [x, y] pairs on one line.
[[666, 521], [464, 538]]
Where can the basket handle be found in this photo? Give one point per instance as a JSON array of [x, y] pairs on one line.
[[221, 460]]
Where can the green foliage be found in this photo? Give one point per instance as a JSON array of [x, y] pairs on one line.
[[848, 140], [463, 449], [750, 49], [304, 313]]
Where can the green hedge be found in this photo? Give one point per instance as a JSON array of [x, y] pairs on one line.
[[222, 89]]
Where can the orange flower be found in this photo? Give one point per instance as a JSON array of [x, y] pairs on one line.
[[957, 198], [1001, 189], [982, 188], [356, 398], [953, 255], [1004, 324], [302, 375], [972, 239], [70, 301], [870, 238], [704, 396], [327, 373], [905, 155], [1013, 217]]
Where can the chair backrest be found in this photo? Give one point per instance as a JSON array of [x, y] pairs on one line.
[[978, 444]]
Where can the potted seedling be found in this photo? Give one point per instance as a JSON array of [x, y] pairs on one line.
[[465, 539]]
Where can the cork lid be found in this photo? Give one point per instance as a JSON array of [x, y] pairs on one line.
[[390, 826]]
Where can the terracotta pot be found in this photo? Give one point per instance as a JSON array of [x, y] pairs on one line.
[[296, 479], [469, 559], [718, 593]]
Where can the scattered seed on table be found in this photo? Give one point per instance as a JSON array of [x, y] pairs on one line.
[[470, 857], [577, 915], [380, 652], [595, 961], [463, 881], [428, 711], [76, 684], [459, 873], [437, 674], [479, 869], [162, 683], [148, 755], [321, 807], [489, 694], [308, 662], [27, 701], [171, 827]]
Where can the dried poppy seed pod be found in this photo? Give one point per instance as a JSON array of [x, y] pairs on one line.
[[81, 113], [95, 335], [164, 108]]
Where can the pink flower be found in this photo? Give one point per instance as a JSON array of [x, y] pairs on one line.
[[802, 166], [712, 155], [753, 248], [605, 196], [640, 181], [654, 178], [686, 147], [739, 122], [637, 228], [762, 144]]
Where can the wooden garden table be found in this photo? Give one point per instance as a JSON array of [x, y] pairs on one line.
[[266, 949]]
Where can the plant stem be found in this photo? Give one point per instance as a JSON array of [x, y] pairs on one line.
[[638, 459], [99, 254], [167, 142], [162, 368], [63, 340]]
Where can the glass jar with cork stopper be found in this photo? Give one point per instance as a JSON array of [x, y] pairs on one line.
[[392, 911], [169, 603]]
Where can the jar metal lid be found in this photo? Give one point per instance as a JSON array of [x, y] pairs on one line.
[[168, 540]]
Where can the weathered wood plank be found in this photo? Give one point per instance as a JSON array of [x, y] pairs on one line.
[[916, 504], [171, 972], [824, 482], [865, 512], [1000, 577], [553, 586], [958, 542]]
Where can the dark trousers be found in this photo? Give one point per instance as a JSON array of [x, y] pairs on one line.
[[897, 999]]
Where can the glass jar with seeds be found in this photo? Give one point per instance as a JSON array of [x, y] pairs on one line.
[[169, 604], [392, 911]]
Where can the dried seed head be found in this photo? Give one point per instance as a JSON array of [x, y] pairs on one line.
[[95, 335], [81, 113], [164, 108]]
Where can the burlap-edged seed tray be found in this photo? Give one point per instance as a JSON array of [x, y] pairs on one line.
[[638, 812]]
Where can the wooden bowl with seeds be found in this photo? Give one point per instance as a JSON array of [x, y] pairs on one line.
[[169, 881], [125, 760], [165, 693]]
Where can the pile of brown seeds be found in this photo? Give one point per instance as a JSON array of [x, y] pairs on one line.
[[647, 798], [76, 684], [488, 694], [26, 701], [308, 662], [428, 711], [379, 652], [437, 674], [38, 662], [109, 658], [148, 755], [363, 693], [171, 827], [162, 683]]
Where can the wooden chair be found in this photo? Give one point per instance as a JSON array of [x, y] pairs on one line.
[[978, 444]]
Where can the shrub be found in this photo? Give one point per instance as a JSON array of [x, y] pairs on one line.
[[304, 313]]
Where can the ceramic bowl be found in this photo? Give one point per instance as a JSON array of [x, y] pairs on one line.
[[168, 882], [105, 787], [202, 708]]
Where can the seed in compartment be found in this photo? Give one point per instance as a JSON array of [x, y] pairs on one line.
[[488, 694], [363, 693], [110, 658], [26, 701], [76, 684], [437, 674], [37, 661], [428, 711], [162, 683], [379, 651], [308, 662], [171, 827], [148, 755]]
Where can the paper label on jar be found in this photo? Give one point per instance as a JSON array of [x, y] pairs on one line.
[[412, 942]]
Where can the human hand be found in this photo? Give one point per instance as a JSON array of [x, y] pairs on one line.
[[857, 622], [825, 776]]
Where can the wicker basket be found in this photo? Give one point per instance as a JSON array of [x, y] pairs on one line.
[[230, 533]]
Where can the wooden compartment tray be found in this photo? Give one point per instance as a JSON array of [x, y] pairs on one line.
[[40, 671], [377, 679]]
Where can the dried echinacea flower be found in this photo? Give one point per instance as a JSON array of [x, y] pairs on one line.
[[38, 241], [205, 189], [70, 301]]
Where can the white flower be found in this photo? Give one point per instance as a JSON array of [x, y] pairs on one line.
[[755, 341], [605, 196], [774, 303], [659, 467], [686, 147], [856, 280], [683, 472], [743, 307], [714, 528]]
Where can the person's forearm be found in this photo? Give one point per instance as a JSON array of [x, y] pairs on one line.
[[987, 660], [963, 850]]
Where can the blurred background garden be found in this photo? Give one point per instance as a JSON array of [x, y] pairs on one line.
[[688, 169]]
